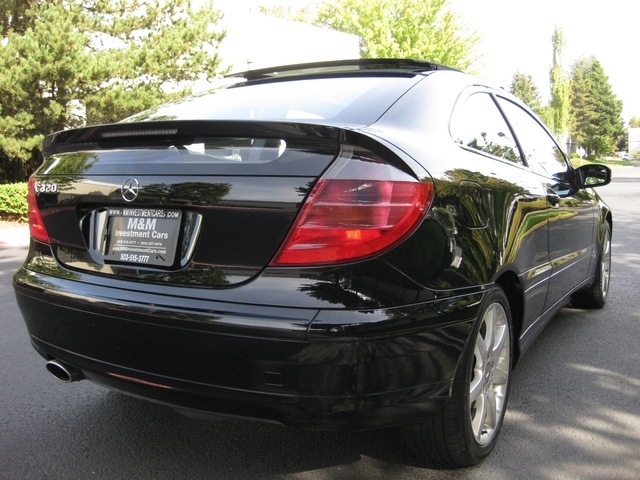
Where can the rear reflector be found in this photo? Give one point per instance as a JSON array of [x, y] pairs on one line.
[[348, 219], [36, 226]]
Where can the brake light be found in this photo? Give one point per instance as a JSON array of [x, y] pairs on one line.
[[36, 226], [362, 207]]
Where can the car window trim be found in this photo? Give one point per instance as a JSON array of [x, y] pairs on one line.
[[569, 167], [462, 97]]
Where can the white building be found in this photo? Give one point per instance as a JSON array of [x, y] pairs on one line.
[[634, 142], [255, 40]]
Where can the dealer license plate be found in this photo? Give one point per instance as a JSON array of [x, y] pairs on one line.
[[147, 236]]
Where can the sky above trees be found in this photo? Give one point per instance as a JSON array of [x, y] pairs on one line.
[[517, 36]]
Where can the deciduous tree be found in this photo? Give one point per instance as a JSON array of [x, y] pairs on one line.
[[419, 29], [558, 119]]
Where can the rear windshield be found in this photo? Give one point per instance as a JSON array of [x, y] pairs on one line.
[[346, 100]]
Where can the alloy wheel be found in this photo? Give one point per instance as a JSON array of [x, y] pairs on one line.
[[490, 374]]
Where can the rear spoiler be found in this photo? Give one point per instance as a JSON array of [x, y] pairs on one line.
[[181, 132]]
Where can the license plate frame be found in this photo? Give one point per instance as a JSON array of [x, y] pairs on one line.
[[142, 236]]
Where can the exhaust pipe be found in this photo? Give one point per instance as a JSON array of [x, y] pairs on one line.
[[63, 372]]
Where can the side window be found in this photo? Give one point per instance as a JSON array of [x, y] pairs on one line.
[[478, 124], [541, 152]]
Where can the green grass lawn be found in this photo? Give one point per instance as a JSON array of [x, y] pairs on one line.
[[610, 161]]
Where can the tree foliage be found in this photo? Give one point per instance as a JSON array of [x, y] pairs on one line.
[[596, 113], [634, 122], [420, 29], [558, 119], [67, 62], [523, 87]]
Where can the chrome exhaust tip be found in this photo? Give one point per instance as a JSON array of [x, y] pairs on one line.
[[63, 372]]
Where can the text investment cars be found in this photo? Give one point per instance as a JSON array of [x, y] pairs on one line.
[[344, 245]]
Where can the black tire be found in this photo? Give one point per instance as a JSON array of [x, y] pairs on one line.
[[595, 296], [461, 435]]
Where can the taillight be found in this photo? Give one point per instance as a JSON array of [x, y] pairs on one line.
[[360, 208], [36, 226]]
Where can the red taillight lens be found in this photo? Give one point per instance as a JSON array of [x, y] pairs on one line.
[[36, 226], [347, 219]]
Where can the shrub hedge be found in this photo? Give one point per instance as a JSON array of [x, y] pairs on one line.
[[13, 201]]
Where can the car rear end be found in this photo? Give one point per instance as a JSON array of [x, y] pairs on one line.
[[237, 267]]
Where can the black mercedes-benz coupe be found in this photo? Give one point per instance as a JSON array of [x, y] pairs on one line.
[[342, 245]]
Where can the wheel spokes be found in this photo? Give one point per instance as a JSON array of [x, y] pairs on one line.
[[478, 414], [501, 335], [491, 420], [490, 373], [476, 388]]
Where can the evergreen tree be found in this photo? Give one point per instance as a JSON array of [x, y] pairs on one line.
[[596, 113], [64, 63], [522, 86]]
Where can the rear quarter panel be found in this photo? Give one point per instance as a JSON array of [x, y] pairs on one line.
[[489, 216]]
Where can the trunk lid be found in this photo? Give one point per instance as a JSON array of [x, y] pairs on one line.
[[203, 203]]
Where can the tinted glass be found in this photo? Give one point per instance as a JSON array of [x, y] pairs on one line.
[[478, 124], [541, 152], [360, 100]]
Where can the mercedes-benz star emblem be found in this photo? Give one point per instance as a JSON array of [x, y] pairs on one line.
[[129, 189]]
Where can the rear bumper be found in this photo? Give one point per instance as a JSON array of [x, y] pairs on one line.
[[330, 369]]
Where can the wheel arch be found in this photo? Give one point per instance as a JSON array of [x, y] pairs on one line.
[[512, 288], [609, 219]]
